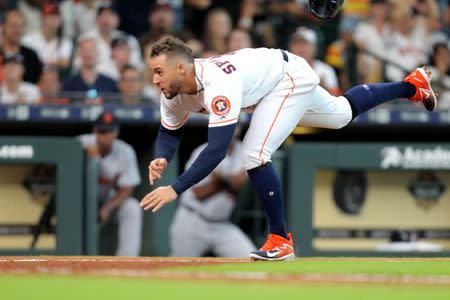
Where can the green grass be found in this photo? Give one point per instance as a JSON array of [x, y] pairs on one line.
[[78, 287], [84, 288], [390, 266]]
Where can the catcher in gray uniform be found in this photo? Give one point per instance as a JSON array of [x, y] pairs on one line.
[[201, 224], [118, 174]]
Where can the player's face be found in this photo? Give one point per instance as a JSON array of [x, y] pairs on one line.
[[105, 139], [167, 75]]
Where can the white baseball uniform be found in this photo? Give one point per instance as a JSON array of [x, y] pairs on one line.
[[120, 169], [281, 91], [200, 226]]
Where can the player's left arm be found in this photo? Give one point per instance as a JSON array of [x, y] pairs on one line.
[[224, 104], [218, 141]]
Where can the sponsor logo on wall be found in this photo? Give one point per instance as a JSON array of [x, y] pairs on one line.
[[414, 158], [16, 151]]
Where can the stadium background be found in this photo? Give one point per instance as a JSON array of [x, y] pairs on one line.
[[207, 26]]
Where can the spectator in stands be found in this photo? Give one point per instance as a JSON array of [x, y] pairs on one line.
[[195, 45], [239, 39], [217, 29], [14, 90], [303, 42], [131, 86], [12, 29], [88, 85], [51, 48], [194, 15], [120, 57], [6, 5], [411, 40], [440, 68], [50, 87], [31, 12], [353, 13], [161, 21], [78, 16], [107, 21], [135, 14], [445, 26], [118, 175], [373, 36]]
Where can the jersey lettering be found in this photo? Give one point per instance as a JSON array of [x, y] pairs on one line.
[[228, 68]]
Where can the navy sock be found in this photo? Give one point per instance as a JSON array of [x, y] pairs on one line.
[[366, 96], [268, 187]]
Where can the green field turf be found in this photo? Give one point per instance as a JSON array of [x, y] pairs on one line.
[[84, 287], [393, 266]]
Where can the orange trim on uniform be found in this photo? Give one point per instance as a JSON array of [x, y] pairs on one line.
[[224, 121], [276, 116], [176, 126]]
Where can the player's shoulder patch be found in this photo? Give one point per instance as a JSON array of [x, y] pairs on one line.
[[220, 105]]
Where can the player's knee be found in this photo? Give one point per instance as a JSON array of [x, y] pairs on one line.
[[251, 159], [346, 113], [341, 124]]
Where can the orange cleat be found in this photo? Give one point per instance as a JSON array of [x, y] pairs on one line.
[[421, 79], [275, 248]]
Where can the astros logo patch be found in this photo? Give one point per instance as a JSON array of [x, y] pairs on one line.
[[220, 105]]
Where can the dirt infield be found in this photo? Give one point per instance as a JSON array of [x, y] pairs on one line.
[[162, 268]]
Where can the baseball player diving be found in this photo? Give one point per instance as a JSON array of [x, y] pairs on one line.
[[281, 90]]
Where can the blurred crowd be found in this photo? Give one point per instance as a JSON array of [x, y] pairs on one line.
[[93, 52]]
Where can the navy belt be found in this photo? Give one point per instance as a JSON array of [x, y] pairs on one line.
[[285, 56]]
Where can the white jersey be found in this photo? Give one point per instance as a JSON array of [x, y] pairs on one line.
[[49, 52], [118, 169], [220, 205], [26, 93], [327, 75], [407, 51], [280, 90], [231, 82]]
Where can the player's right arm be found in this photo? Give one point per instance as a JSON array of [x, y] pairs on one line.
[[173, 118]]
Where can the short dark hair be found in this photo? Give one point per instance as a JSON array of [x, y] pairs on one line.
[[172, 46], [10, 12], [128, 67]]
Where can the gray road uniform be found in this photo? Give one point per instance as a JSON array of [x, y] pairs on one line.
[[119, 169], [202, 226]]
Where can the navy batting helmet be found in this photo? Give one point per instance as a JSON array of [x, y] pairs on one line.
[[325, 9]]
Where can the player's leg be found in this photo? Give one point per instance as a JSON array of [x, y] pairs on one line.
[[230, 241], [273, 120], [328, 111], [188, 234], [416, 87], [129, 219]]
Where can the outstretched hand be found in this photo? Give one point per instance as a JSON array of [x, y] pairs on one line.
[[158, 198], [155, 169]]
